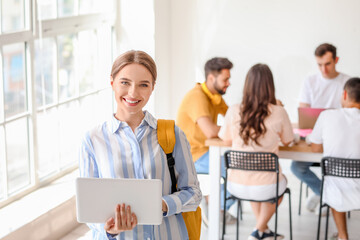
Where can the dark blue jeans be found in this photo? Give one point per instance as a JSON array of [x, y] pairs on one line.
[[302, 171]]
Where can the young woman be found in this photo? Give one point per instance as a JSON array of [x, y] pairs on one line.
[[126, 146], [257, 125]]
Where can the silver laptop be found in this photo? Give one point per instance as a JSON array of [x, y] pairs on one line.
[[96, 199], [308, 117]]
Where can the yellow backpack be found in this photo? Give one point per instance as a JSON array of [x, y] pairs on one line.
[[166, 139]]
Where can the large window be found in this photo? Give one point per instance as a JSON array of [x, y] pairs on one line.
[[55, 59]]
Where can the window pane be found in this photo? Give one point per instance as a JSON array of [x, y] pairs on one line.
[[12, 15], [88, 111], [17, 154], [105, 101], [86, 6], [69, 133], [66, 73], [87, 67], [66, 8], [104, 6], [105, 58], [47, 142], [14, 79], [95, 109], [46, 9], [45, 71], [95, 6], [2, 159]]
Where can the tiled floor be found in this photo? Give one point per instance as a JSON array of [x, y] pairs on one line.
[[304, 226]]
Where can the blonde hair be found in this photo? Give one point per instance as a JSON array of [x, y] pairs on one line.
[[134, 56]]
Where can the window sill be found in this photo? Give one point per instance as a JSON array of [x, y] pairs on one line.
[[47, 213]]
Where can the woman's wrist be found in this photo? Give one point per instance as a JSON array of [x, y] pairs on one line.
[[164, 206]]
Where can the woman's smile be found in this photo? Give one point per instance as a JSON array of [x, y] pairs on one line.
[[131, 102]]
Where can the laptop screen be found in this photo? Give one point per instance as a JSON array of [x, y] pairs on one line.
[[308, 117]]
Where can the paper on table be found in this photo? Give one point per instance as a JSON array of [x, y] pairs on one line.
[[302, 132]]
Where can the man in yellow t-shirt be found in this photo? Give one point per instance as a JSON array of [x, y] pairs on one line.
[[198, 112]]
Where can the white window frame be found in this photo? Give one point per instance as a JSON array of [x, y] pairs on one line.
[[34, 30]]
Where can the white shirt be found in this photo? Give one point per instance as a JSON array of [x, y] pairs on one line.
[[113, 150], [320, 92], [339, 132]]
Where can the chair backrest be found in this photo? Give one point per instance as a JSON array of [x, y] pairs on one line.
[[340, 167], [252, 161]]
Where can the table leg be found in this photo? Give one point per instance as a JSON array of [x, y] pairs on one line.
[[214, 198]]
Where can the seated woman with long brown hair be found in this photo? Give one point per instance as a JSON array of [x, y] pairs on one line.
[[258, 124]]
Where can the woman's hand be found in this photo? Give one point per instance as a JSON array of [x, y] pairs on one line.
[[164, 206], [124, 220]]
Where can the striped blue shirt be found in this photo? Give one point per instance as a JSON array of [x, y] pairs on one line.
[[113, 150]]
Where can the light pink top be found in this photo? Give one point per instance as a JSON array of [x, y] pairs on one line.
[[278, 128]]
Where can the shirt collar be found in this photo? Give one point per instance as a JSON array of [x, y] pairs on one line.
[[150, 120], [116, 124]]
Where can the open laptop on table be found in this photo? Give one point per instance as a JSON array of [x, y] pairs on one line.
[[307, 120], [308, 117], [96, 199]]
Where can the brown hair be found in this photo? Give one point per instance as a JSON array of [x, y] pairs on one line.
[[258, 93], [133, 56], [324, 48], [352, 87], [215, 65]]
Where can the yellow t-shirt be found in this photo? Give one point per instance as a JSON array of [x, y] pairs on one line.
[[197, 104]]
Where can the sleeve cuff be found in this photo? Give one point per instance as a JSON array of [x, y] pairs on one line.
[[314, 140], [173, 205], [111, 236]]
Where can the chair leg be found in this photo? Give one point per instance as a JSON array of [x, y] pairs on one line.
[[237, 220], [319, 222], [307, 191], [239, 204], [348, 214], [290, 215], [301, 185], [327, 222], [224, 221], [276, 212]]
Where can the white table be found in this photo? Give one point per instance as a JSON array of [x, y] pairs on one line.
[[299, 152]]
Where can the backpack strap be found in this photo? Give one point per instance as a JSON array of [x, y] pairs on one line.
[[167, 140]]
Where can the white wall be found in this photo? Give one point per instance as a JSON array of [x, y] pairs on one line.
[[163, 86], [135, 28], [280, 33]]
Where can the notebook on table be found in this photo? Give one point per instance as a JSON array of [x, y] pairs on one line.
[[96, 199]]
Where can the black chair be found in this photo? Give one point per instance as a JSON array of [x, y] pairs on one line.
[[337, 167], [316, 164], [254, 161]]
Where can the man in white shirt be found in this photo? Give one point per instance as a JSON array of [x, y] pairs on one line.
[[321, 90], [336, 134]]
